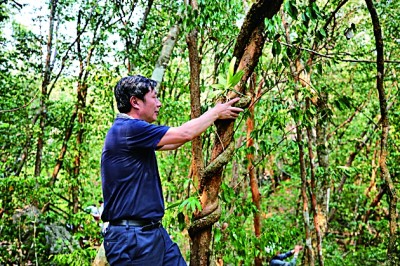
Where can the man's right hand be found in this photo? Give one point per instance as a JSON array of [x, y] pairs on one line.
[[226, 110], [297, 248]]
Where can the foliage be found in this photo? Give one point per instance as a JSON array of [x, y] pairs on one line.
[[343, 68], [232, 78], [76, 258]]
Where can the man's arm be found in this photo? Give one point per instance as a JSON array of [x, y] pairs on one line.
[[278, 260], [170, 147], [177, 136], [284, 255]]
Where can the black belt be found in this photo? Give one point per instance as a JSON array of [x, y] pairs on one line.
[[145, 225]]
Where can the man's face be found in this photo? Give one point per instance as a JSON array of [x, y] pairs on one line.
[[150, 106]]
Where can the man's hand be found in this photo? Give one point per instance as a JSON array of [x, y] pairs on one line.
[[226, 110], [297, 248]]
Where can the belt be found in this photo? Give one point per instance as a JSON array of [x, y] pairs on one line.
[[145, 225]]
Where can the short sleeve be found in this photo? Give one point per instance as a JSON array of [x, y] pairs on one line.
[[140, 134]]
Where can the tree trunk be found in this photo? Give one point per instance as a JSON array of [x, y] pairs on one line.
[[197, 158], [296, 68], [166, 51], [44, 93], [393, 258], [82, 87], [313, 192], [68, 133], [248, 49], [64, 146], [23, 155], [197, 164], [320, 185], [309, 251], [253, 181], [322, 191], [82, 91]]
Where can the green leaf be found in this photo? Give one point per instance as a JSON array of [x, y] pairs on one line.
[[319, 68], [4, 125], [231, 72], [235, 79], [276, 48], [322, 32], [218, 86], [291, 9], [232, 67], [217, 235]]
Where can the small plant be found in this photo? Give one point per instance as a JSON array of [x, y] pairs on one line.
[[225, 85]]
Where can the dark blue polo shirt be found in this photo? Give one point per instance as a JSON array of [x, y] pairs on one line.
[[130, 179]]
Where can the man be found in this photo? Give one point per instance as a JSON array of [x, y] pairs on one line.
[[278, 260], [132, 193]]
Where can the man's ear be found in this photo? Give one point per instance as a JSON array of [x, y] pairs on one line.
[[134, 102]]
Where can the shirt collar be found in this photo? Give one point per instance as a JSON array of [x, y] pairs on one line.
[[125, 116]]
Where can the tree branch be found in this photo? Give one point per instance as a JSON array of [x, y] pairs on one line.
[[205, 222], [335, 57]]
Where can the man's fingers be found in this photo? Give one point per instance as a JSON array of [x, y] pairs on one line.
[[232, 108], [230, 102], [236, 109]]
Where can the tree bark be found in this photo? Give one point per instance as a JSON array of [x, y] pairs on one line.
[[322, 208], [309, 252], [253, 181], [313, 193], [197, 165], [166, 51], [393, 258]]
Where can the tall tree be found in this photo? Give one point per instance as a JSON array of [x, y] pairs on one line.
[[392, 253], [192, 41], [44, 92], [247, 50], [253, 180]]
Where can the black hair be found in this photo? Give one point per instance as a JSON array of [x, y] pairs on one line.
[[130, 86]]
